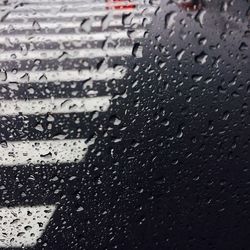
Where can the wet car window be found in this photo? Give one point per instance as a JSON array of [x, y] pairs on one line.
[[124, 124]]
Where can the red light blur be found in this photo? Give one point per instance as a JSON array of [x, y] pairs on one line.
[[124, 5], [190, 6]]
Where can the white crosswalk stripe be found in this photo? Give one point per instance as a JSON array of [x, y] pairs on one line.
[[15, 153], [77, 6], [46, 38], [65, 76], [43, 54], [71, 24], [69, 4], [100, 13], [54, 105], [23, 225], [82, 2]]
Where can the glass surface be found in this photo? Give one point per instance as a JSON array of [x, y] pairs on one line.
[[124, 124]]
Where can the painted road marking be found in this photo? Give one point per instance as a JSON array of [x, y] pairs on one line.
[[54, 105], [68, 2], [65, 75], [15, 153], [76, 24], [62, 2], [47, 38], [37, 5], [37, 15], [23, 225], [46, 6], [90, 53]]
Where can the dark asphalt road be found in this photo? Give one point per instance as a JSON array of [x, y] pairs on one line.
[[166, 165]]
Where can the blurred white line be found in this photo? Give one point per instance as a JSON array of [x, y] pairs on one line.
[[17, 55], [62, 2], [56, 106], [73, 24], [15, 153], [47, 38], [65, 75], [82, 14], [47, 1], [22, 226], [43, 6]]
